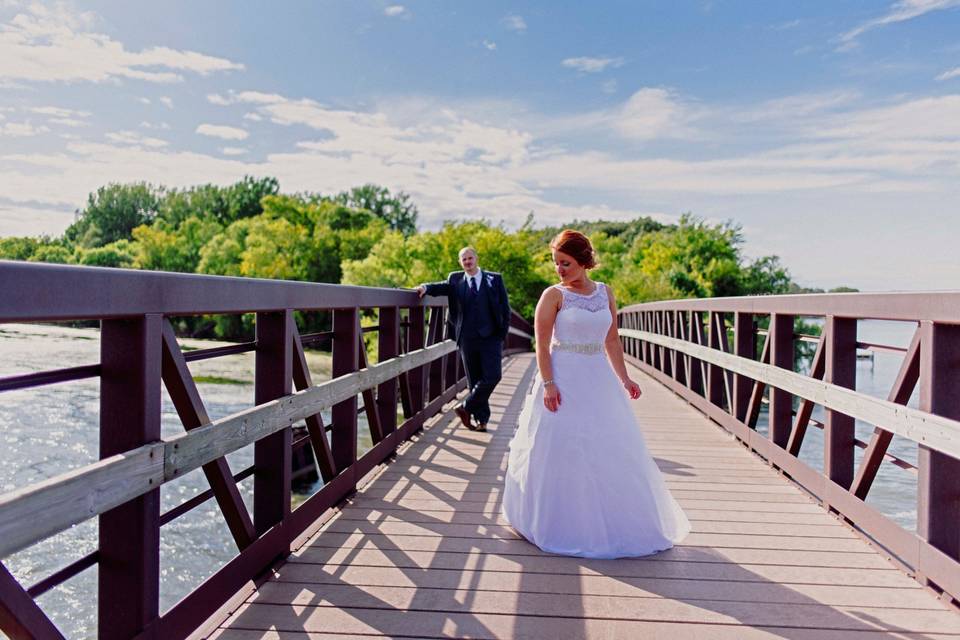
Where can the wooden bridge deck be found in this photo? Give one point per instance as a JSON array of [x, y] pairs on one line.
[[421, 551]]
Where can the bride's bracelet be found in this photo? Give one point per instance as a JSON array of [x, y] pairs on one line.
[[547, 382]]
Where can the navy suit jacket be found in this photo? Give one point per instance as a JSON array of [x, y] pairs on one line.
[[455, 288]]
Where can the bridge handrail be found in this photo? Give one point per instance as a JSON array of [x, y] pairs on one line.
[[40, 510], [933, 306], [707, 351], [417, 369]]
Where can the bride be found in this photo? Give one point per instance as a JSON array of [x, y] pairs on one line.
[[580, 480]]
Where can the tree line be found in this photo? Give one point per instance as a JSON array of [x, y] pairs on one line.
[[369, 236]]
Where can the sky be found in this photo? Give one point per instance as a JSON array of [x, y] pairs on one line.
[[830, 131]]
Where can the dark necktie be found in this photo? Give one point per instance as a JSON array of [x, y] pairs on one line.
[[473, 286]]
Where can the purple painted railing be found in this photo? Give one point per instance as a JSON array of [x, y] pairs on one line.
[[709, 352], [417, 370]]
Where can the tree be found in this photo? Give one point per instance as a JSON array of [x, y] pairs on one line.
[[398, 261], [244, 198], [398, 211], [53, 252], [116, 254], [112, 213], [18, 248], [159, 247], [764, 276], [207, 202]]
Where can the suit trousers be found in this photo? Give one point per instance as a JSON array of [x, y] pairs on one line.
[[481, 358]]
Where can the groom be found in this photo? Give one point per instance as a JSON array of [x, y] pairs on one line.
[[479, 320]]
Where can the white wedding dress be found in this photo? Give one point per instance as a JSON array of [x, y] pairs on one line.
[[580, 480]]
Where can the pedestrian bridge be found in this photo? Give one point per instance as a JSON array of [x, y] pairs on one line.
[[406, 539]]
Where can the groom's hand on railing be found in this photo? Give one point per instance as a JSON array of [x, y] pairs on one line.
[[421, 290]]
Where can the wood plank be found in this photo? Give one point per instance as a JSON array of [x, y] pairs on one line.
[[701, 565], [423, 551], [821, 552], [600, 585], [40, 510], [395, 622], [366, 623], [734, 609]]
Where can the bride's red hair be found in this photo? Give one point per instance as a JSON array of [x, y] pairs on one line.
[[577, 246]]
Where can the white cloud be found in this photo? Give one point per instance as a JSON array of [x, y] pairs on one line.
[[163, 126], [21, 130], [900, 11], [59, 112], [490, 46], [592, 65], [796, 107], [143, 100], [828, 152], [515, 23], [609, 86], [396, 10], [255, 117], [135, 139], [166, 101], [249, 97], [233, 151], [653, 113], [220, 131], [949, 75], [55, 44], [69, 122]]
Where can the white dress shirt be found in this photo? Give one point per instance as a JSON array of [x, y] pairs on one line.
[[476, 279]]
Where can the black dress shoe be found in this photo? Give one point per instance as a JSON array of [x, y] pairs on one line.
[[463, 415], [482, 427]]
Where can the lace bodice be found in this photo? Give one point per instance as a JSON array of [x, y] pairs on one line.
[[583, 318]]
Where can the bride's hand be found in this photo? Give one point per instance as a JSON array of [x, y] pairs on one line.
[[551, 397], [632, 388]]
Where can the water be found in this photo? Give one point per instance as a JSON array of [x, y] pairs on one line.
[[50, 430], [894, 490]]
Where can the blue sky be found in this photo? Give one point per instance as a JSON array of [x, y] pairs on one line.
[[829, 130]]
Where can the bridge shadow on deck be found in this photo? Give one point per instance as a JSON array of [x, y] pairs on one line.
[[423, 552]]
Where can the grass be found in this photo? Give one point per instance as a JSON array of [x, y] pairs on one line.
[[217, 380]]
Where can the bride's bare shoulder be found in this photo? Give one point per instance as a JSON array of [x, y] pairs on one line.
[[551, 295], [551, 292]]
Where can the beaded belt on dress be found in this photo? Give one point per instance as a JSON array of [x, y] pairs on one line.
[[577, 347]]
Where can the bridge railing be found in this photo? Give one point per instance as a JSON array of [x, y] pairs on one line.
[[717, 355], [417, 371]]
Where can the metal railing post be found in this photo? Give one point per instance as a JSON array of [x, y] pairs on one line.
[[346, 334], [781, 355], [938, 508], [840, 369], [129, 570], [272, 456], [388, 346]]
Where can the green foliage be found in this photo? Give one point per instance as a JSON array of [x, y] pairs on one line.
[[52, 252], [219, 204], [17, 248], [368, 236], [161, 247], [115, 254], [112, 213], [398, 261], [42, 249], [397, 211]]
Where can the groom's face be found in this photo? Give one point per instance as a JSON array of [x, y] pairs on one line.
[[468, 260]]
